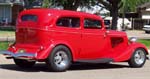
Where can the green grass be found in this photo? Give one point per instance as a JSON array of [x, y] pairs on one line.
[[4, 33], [4, 45], [146, 42]]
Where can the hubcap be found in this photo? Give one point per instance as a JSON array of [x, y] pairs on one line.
[[139, 57], [61, 59]]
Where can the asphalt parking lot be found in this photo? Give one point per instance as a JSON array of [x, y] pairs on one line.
[[8, 70]]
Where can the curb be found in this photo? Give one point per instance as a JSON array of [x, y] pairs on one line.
[[7, 39]]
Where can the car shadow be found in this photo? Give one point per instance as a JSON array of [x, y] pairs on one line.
[[75, 67], [96, 66]]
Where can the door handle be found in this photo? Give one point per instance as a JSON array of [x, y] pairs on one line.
[[106, 33]]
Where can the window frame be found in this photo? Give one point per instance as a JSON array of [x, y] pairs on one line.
[[69, 17], [34, 18], [92, 26]]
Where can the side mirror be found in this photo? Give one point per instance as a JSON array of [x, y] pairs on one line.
[[107, 22], [133, 39]]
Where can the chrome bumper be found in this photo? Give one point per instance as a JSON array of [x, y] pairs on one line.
[[27, 56]]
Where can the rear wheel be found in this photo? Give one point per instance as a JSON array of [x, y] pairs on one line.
[[59, 59], [138, 58], [24, 63]]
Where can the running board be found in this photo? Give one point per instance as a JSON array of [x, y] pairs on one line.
[[101, 60]]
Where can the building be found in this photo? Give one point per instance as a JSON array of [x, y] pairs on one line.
[[144, 11], [9, 10], [144, 15]]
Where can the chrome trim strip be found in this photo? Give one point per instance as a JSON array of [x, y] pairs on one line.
[[18, 55]]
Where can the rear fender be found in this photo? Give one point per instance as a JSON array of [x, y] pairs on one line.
[[126, 55], [44, 54]]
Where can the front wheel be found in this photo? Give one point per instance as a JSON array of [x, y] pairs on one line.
[[60, 59], [138, 58]]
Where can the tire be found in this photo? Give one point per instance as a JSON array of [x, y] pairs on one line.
[[59, 59], [24, 63], [138, 58], [147, 32]]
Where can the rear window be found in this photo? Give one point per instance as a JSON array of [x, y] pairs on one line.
[[33, 18]]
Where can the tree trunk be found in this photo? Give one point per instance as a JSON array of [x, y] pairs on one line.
[[26, 5], [114, 19], [114, 14]]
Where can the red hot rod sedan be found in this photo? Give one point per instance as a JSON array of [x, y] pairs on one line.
[[60, 38]]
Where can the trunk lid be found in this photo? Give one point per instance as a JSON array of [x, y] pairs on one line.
[[32, 29]]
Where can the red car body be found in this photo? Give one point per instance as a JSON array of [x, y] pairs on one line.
[[39, 31]]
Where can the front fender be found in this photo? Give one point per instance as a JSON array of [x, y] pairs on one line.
[[126, 55], [136, 45]]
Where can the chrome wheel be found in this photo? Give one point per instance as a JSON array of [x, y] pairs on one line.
[[61, 59], [139, 57]]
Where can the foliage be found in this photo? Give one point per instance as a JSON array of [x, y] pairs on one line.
[[113, 6], [46, 4], [131, 5], [73, 4]]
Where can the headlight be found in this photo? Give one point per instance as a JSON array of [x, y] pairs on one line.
[[133, 39], [21, 51]]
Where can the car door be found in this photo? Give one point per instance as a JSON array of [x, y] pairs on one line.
[[95, 43], [68, 32]]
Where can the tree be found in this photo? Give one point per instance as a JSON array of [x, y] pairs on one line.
[[113, 6], [72, 4], [131, 5]]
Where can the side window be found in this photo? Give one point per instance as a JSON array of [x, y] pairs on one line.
[[33, 18], [92, 24], [68, 22]]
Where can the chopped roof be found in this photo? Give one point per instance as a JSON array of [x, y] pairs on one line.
[[58, 12]]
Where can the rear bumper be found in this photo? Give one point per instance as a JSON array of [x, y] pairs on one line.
[[26, 56]]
